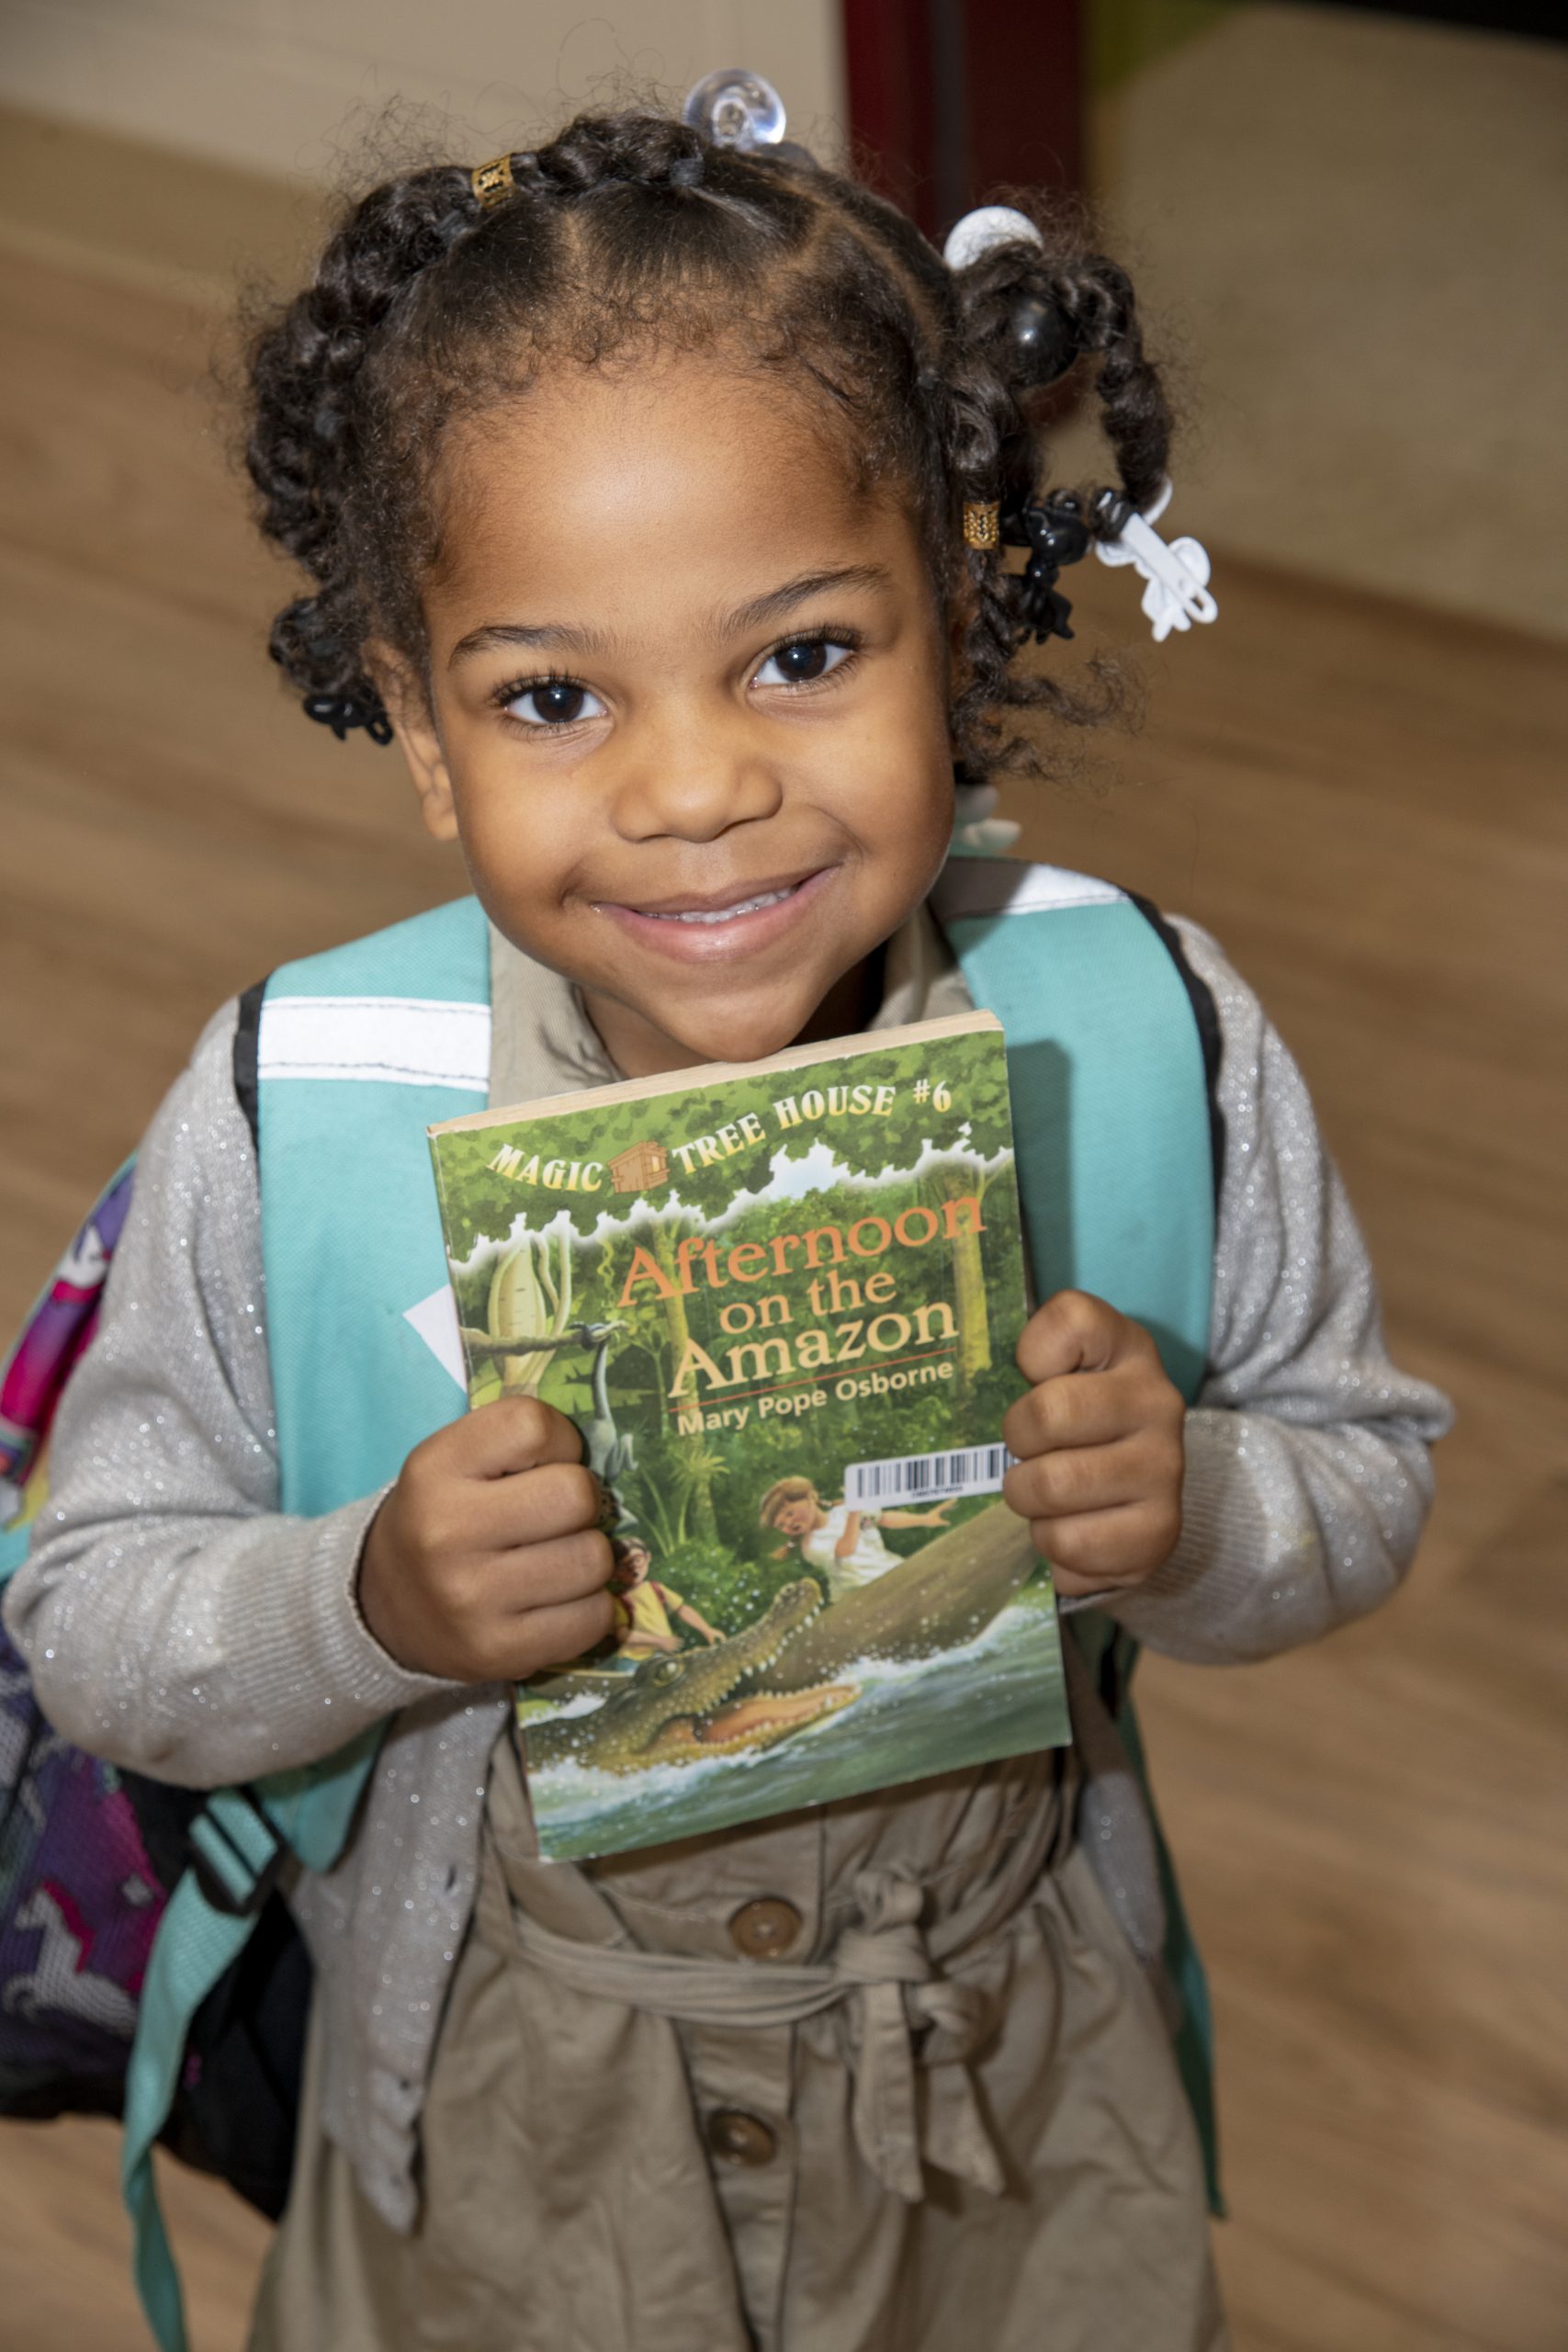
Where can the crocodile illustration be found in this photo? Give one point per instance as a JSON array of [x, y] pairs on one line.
[[795, 1665], [676, 1709], [940, 1597]]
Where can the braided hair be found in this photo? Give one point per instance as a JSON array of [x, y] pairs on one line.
[[633, 228]]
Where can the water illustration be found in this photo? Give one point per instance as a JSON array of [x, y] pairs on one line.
[[1001, 1694]]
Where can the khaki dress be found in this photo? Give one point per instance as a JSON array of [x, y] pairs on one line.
[[882, 2077]]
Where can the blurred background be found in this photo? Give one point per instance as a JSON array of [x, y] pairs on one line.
[[1348, 228]]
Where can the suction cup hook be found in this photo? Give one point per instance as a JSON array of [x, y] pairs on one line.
[[735, 109]]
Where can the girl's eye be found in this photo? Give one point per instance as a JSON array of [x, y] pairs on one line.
[[803, 662], [555, 702]]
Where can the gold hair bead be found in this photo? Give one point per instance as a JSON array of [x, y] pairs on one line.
[[492, 183], [981, 523]]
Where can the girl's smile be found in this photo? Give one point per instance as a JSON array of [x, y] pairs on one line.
[[686, 708], [728, 923]]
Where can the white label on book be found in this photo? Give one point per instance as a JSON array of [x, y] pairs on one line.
[[927, 1477]]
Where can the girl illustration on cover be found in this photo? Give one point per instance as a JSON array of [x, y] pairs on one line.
[[845, 1543]]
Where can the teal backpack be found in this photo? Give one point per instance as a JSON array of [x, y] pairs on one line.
[[346, 1057]]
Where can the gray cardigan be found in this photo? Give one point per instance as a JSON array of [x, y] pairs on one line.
[[176, 1622]]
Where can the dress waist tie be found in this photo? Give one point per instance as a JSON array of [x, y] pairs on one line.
[[882, 1979]]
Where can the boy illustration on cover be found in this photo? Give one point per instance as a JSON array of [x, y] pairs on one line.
[[644, 1608]]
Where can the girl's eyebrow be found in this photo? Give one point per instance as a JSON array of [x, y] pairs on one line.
[[777, 602], [544, 634], [568, 638]]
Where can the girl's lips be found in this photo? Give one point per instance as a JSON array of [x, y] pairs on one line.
[[718, 934]]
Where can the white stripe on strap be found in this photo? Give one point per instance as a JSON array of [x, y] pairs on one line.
[[972, 886], [395, 1040]]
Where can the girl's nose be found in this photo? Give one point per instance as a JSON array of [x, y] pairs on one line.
[[693, 781]]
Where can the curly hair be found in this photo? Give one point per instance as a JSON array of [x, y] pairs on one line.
[[633, 228]]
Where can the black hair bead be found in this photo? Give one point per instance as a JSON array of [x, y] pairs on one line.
[[1043, 339], [1056, 532], [341, 712]]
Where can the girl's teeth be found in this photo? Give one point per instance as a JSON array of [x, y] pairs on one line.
[[726, 914]]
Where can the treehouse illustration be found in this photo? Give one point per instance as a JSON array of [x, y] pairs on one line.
[[640, 1165], [528, 1320]]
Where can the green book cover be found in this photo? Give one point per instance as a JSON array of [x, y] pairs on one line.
[[781, 1300]]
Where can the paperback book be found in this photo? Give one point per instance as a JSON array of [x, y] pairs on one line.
[[781, 1301]]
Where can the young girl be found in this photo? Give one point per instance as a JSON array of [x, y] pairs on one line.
[[845, 1545], [632, 476]]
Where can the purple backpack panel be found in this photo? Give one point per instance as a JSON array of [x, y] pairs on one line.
[[79, 1908], [80, 1902]]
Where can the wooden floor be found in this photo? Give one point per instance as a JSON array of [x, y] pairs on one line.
[[1366, 804]]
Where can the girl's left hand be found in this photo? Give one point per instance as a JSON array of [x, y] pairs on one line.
[[1099, 1441]]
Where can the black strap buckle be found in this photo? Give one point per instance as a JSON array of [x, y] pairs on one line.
[[236, 1855]]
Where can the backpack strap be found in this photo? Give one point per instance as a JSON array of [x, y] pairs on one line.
[[1109, 1094], [341, 1061], [1112, 1048], [357, 1052], [207, 1924]]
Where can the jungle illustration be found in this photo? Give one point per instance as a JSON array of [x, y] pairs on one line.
[[782, 1310]]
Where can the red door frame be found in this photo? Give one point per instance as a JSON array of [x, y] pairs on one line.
[[950, 100]]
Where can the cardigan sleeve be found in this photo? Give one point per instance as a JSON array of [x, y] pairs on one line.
[[1308, 1476], [175, 1620]]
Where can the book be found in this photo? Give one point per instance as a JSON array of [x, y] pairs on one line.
[[781, 1300]]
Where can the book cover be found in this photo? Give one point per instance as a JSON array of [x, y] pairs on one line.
[[781, 1300]]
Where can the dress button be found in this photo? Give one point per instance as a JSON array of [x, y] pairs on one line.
[[765, 1929], [740, 2139]]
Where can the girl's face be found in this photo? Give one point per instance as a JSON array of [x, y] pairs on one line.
[[688, 708], [795, 1520]]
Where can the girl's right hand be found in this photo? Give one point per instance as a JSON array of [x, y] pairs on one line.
[[488, 1559]]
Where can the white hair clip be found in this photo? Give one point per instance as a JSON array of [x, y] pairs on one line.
[[992, 224], [1176, 572]]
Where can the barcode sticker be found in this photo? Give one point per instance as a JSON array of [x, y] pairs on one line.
[[970, 1470]]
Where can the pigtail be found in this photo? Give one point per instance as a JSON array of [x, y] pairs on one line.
[[1034, 313], [1029, 313], [988, 455], [1095, 297], [304, 447]]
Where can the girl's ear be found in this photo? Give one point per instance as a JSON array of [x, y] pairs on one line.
[[418, 740]]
